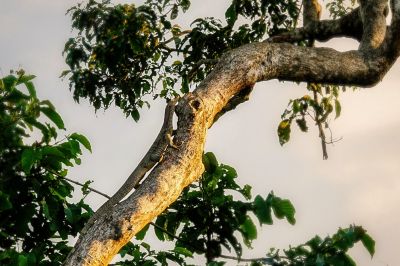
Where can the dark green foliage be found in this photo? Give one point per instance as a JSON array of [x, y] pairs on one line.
[[328, 251], [142, 254], [206, 218], [37, 216], [36, 212], [122, 53]]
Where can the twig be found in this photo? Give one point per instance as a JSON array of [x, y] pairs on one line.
[[240, 259], [320, 128], [176, 35], [88, 187]]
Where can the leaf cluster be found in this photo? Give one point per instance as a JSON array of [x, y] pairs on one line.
[[317, 107], [121, 53], [207, 216], [338, 8], [36, 213], [332, 250], [142, 254]]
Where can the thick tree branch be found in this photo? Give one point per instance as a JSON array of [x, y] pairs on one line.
[[349, 26], [312, 11], [153, 156], [391, 46], [373, 16], [196, 111]]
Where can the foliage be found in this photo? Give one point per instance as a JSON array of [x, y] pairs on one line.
[[328, 251], [311, 107], [298, 109], [122, 53], [207, 217], [338, 8], [142, 254], [36, 213]]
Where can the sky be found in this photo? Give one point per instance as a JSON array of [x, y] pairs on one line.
[[358, 184]]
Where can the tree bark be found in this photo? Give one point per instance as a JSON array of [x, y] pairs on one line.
[[196, 111]]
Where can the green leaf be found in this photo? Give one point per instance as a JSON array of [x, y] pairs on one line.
[[284, 131], [22, 260], [369, 243], [146, 246], [161, 220], [9, 82], [262, 210], [31, 259], [5, 203], [249, 230], [302, 124], [185, 85], [246, 192], [31, 88], [231, 14], [78, 161], [210, 162], [319, 261], [82, 139], [174, 12], [216, 263], [135, 115], [86, 187], [69, 215], [185, 4], [296, 106], [46, 210], [51, 150], [53, 116], [142, 233], [183, 251], [25, 79], [28, 159], [284, 208], [338, 108], [64, 73], [47, 103]]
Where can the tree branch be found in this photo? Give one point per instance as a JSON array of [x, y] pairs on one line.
[[349, 26], [164, 230], [152, 157], [196, 111], [373, 16], [89, 188]]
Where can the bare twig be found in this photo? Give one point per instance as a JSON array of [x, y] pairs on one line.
[[88, 187]]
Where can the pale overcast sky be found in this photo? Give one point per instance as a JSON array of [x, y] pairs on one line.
[[360, 183]]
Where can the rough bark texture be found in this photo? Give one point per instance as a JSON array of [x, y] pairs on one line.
[[153, 156], [239, 69]]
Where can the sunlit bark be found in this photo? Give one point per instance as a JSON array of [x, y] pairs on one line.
[[236, 70]]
